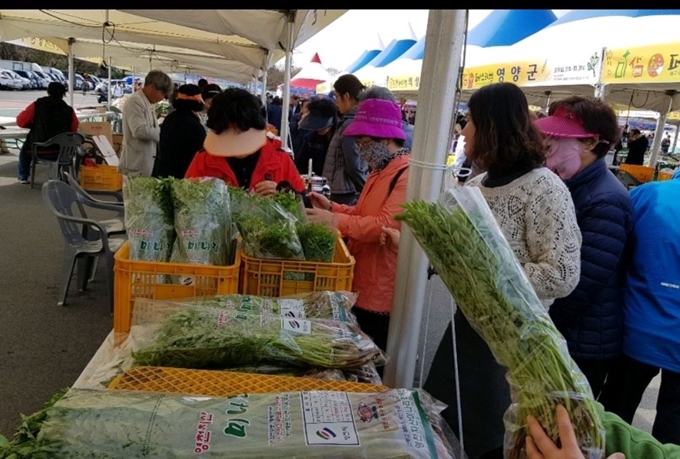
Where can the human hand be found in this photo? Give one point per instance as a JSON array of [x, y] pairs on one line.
[[266, 188], [390, 238], [320, 216], [540, 446], [319, 201]]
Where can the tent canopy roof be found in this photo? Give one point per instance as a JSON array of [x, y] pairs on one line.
[[506, 27]]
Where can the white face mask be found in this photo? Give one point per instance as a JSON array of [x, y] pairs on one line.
[[564, 156]]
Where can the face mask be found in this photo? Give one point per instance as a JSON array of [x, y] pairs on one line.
[[564, 157], [376, 154]]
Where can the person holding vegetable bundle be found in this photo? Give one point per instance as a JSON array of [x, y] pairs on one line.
[[238, 150], [536, 215], [579, 133], [377, 131]]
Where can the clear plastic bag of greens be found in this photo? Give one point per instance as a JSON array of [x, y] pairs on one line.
[[364, 374], [318, 241], [312, 305], [467, 248], [397, 423], [195, 336], [149, 218], [266, 228]]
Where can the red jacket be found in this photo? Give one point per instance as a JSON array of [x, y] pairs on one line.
[[273, 161]]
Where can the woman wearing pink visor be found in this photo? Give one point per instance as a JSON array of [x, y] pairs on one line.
[[579, 132]]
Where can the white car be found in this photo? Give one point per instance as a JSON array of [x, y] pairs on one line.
[[25, 82], [9, 81]]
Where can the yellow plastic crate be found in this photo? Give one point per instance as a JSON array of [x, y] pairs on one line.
[[226, 383], [140, 279], [664, 176], [640, 173], [277, 278], [101, 177]]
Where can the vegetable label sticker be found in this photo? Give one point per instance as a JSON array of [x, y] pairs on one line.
[[328, 419], [296, 325], [202, 433], [292, 308], [280, 422]]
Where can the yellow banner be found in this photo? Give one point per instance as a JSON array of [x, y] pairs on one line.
[[40, 44], [403, 83], [644, 64], [519, 73]]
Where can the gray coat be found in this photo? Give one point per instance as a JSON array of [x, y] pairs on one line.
[[141, 134], [344, 169]]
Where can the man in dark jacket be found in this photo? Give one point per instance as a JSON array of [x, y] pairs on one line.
[[319, 124], [46, 117], [637, 146], [580, 131]]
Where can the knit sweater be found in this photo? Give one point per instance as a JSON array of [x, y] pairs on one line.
[[537, 217]]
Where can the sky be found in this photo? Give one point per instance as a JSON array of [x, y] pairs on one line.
[[342, 42]]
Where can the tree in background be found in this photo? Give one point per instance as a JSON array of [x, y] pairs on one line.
[[275, 76]]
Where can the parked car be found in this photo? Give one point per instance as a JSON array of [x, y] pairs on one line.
[[25, 82], [32, 77], [45, 78], [8, 82]]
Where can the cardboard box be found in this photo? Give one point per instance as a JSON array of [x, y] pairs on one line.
[[98, 128], [117, 143]]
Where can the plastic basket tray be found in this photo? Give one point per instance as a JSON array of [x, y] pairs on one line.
[[101, 178], [277, 278], [640, 173], [664, 176], [145, 279], [226, 383]]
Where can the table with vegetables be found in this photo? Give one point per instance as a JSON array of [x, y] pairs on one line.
[[308, 335]]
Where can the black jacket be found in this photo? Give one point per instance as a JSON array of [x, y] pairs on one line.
[[182, 136], [591, 317], [52, 116]]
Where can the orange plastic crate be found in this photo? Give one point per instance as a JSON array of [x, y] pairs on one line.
[[640, 173], [664, 176], [101, 177], [277, 278], [226, 383], [140, 279]]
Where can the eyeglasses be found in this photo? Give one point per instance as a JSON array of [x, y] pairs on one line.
[[365, 143]]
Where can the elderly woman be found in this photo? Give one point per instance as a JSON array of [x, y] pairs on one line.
[[182, 134], [377, 131], [579, 133], [536, 214], [238, 150]]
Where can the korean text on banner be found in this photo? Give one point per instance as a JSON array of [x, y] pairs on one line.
[[644, 64], [403, 83]]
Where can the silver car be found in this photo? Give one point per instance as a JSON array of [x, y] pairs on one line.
[[9, 81], [25, 82]]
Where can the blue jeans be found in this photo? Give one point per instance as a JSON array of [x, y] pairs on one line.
[[25, 163]]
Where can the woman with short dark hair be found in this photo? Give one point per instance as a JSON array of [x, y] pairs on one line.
[[534, 210], [182, 134]]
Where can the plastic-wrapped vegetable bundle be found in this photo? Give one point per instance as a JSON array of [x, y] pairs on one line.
[[312, 305], [149, 218], [267, 229], [202, 220], [397, 423], [208, 337], [467, 248]]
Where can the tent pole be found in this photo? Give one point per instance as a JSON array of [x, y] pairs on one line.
[[264, 78], [658, 133], [675, 139], [547, 102], [286, 80], [71, 72], [599, 86], [441, 68], [108, 96]]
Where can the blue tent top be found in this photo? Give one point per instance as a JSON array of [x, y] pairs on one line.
[[393, 51], [576, 15], [507, 27], [366, 57], [416, 51]]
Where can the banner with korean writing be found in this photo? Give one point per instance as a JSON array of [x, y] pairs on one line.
[[403, 83], [644, 64], [40, 44]]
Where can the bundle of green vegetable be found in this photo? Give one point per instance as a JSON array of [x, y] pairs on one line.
[[396, 423], [312, 305], [149, 218], [464, 244], [202, 220], [318, 241], [207, 337], [267, 229]]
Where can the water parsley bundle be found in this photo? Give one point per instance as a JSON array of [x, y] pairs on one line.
[[467, 248]]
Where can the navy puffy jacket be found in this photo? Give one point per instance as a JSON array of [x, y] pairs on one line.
[[591, 317]]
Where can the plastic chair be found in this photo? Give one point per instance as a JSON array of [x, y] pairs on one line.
[[60, 198], [70, 144], [114, 225]]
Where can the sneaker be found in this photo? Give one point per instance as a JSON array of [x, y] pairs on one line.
[[24, 181]]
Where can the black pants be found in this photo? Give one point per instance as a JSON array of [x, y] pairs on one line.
[[596, 372], [484, 391], [623, 392], [374, 325]]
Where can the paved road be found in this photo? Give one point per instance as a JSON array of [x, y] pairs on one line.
[[44, 347], [12, 102]]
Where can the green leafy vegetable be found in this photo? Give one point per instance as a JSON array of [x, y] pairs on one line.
[[464, 244], [318, 241]]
